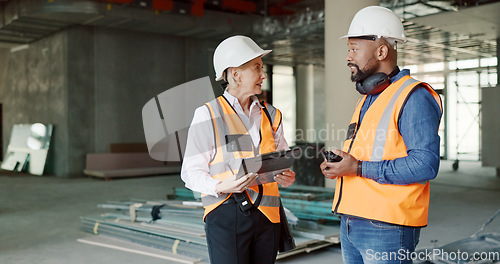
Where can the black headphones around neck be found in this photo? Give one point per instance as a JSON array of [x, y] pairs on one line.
[[376, 82]]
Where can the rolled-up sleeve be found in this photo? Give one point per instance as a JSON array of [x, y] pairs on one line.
[[418, 125]]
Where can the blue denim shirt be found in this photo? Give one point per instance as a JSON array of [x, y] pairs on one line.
[[418, 125]]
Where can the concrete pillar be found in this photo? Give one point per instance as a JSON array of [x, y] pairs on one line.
[[304, 75], [490, 124], [498, 64], [340, 94], [498, 83], [319, 103]]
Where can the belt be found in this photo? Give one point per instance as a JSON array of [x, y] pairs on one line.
[[242, 200], [231, 198]]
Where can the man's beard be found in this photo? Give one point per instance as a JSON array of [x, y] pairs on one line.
[[360, 75]]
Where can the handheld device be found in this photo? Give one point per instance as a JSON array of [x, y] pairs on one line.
[[330, 157], [243, 201], [268, 165]]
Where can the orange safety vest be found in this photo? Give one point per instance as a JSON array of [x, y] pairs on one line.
[[376, 139], [225, 163]]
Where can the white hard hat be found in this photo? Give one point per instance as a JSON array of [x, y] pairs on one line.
[[234, 52], [376, 21]]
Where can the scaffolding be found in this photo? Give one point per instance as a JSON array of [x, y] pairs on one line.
[[467, 84]]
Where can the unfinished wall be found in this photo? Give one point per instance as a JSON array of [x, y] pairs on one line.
[[80, 85], [131, 68], [33, 89], [92, 83]]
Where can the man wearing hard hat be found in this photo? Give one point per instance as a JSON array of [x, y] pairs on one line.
[[242, 221], [391, 150]]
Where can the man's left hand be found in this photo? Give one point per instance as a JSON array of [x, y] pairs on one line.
[[346, 167], [285, 178]]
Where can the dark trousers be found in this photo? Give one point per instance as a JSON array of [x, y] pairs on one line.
[[236, 237]]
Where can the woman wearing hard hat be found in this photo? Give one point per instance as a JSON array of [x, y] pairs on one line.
[[242, 221]]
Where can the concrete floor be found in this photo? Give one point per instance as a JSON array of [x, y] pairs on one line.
[[39, 216]]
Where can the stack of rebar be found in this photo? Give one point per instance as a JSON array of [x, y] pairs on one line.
[[176, 226], [305, 202]]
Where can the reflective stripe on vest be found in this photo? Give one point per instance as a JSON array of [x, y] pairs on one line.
[[376, 139], [225, 163]]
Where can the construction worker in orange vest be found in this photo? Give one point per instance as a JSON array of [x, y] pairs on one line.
[[242, 221], [391, 150]]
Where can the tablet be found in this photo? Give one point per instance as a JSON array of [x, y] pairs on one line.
[[267, 165]]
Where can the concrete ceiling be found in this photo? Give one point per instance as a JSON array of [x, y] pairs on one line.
[[25, 21], [434, 33], [468, 33], [480, 22]]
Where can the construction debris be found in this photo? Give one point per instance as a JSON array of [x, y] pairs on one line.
[[478, 248], [174, 229], [305, 202]]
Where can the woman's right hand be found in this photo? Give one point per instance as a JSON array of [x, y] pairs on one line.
[[233, 185]]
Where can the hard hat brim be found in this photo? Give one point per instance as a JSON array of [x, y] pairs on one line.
[[260, 54], [355, 36]]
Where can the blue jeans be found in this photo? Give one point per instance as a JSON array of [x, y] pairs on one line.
[[370, 241]]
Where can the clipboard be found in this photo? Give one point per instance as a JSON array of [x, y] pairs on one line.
[[268, 165]]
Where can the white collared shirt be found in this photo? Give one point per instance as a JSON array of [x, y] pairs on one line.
[[200, 147]]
